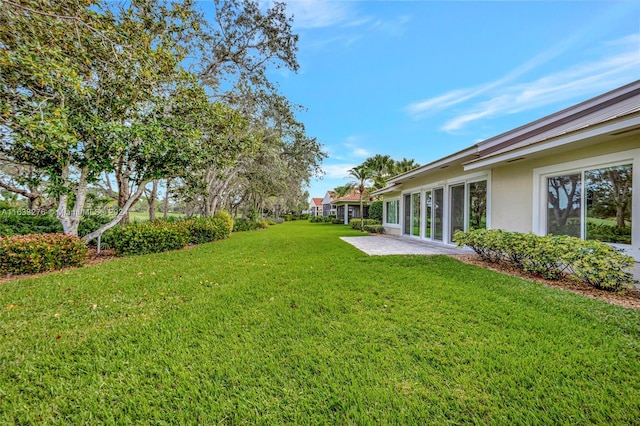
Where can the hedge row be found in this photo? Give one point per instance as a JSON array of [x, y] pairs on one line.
[[356, 223], [321, 219], [552, 256], [30, 254], [158, 236], [241, 225]]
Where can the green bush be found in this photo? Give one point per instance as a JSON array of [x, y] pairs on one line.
[[242, 225], [375, 211], [374, 229], [337, 221], [227, 220], [150, 237], [206, 229], [289, 217], [320, 219], [356, 223], [30, 254], [552, 256]]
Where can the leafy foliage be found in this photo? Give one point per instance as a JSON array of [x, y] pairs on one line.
[[149, 237], [375, 210], [360, 223], [30, 254], [241, 225], [320, 219], [374, 229], [552, 256]]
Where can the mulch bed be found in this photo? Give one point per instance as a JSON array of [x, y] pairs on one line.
[[628, 298]]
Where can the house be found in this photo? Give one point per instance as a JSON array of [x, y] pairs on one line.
[[328, 209], [315, 207], [567, 173], [348, 206]]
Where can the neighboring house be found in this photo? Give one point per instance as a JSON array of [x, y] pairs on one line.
[[348, 207], [567, 173], [315, 207], [328, 209]]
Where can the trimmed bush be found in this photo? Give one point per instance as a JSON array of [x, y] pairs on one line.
[[206, 229], [374, 229], [30, 254], [320, 219], [375, 211], [242, 225], [356, 223], [553, 256], [149, 237]]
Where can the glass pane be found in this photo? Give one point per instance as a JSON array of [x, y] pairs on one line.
[[457, 210], [427, 203], [563, 208], [478, 205], [415, 215], [438, 199], [407, 215], [608, 204], [392, 211]]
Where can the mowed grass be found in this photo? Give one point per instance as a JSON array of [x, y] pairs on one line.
[[292, 325]]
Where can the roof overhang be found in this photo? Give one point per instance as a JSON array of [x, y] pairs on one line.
[[597, 134], [387, 189], [457, 159]]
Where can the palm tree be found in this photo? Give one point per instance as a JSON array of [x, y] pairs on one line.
[[341, 191], [362, 175], [405, 165], [383, 166]]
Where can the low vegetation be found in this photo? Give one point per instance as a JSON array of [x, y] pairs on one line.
[[553, 256], [292, 325], [31, 254]]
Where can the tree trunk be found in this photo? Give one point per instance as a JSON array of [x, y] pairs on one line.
[[70, 221], [165, 208], [152, 200], [123, 194], [123, 211]]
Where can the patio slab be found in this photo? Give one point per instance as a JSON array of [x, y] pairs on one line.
[[383, 245]]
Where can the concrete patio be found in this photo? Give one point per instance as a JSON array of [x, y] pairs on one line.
[[383, 245]]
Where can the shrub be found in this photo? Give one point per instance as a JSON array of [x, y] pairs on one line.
[[150, 237], [337, 221], [227, 221], [375, 211], [30, 254], [206, 229], [242, 225], [289, 217], [374, 229], [552, 256], [320, 219], [356, 223]]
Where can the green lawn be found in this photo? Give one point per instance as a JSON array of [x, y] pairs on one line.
[[292, 325], [144, 216]]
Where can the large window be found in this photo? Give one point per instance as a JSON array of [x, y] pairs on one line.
[[592, 203], [411, 225], [477, 205], [438, 204], [392, 212], [456, 210]]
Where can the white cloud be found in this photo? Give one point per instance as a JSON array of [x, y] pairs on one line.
[[319, 13], [352, 143], [337, 171], [577, 81]]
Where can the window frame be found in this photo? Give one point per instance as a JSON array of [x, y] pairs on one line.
[[540, 201]]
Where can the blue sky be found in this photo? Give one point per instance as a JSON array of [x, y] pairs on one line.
[[424, 79]]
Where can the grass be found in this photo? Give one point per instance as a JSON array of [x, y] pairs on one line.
[[292, 325], [144, 216]]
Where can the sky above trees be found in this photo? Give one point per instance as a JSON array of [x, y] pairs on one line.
[[423, 79]]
